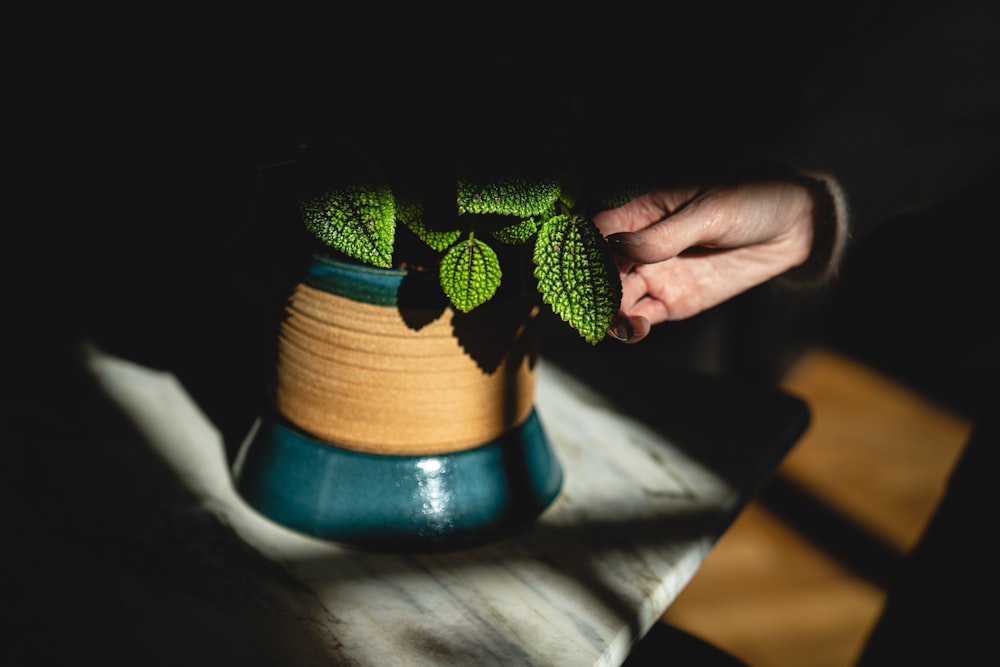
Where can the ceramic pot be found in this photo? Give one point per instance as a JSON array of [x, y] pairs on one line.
[[396, 423]]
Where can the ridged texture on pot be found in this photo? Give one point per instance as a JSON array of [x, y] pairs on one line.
[[357, 376]]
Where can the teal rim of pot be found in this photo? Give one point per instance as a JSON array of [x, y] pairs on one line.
[[360, 282]]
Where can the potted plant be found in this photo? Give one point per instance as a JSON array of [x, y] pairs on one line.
[[401, 410], [412, 375]]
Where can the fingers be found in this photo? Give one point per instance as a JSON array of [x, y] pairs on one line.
[[684, 286]]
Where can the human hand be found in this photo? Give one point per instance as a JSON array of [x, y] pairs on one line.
[[682, 251]]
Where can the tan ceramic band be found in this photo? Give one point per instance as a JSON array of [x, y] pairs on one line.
[[356, 375]]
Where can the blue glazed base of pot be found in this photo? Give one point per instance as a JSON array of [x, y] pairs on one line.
[[398, 503]]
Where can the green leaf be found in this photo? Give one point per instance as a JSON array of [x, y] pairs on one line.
[[621, 196], [577, 275], [411, 216], [470, 274], [517, 233], [510, 196], [359, 221]]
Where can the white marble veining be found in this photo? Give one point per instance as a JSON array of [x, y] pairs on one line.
[[634, 521]]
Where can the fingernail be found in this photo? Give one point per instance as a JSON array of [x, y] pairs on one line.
[[630, 239], [620, 329]]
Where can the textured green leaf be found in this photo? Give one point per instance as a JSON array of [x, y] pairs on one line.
[[470, 274], [358, 221], [410, 215], [511, 196], [517, 233], [577, 275], [621, 196]]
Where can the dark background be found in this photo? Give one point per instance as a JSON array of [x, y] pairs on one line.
[[149, 196]]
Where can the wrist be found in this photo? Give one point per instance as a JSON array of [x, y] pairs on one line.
[[830, 232]]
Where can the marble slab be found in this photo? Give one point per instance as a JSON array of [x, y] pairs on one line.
[[634, 521]]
